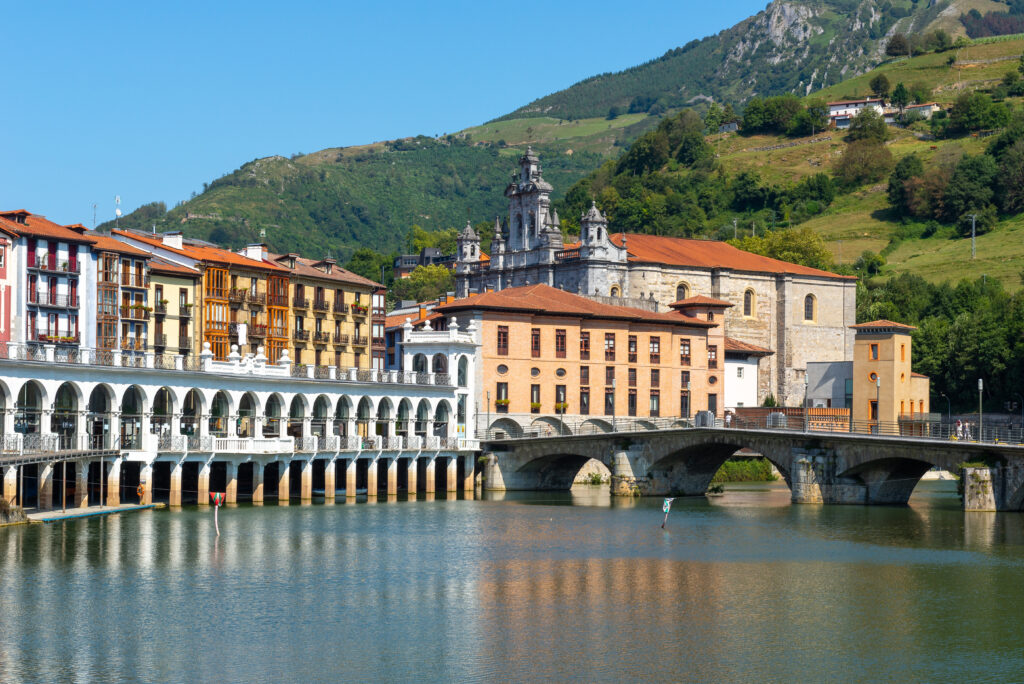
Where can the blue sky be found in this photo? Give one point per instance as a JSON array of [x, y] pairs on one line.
[[149, 100]]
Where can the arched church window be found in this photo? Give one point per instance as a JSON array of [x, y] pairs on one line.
[[616, 292], [748, 303], [682, 291], [810, 306]]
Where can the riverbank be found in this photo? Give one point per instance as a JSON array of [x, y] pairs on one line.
[[90, 512]]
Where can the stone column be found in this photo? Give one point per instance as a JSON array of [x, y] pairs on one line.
[[230, 483], [283, 482], [204, 485], [412, 477], [146, 480], [494, 480], [306, 489], [11, 484], [174, 498], [114, 483], [81, 484], [350, 479], [371, 479], [257, 483], [453, 474], [429, 484], [232, 426], [468, 480], [392, 476], [329, 480]]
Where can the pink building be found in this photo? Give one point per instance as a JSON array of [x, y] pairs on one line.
[[8, 239]]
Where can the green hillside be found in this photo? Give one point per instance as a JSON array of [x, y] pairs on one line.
[[792, 46]]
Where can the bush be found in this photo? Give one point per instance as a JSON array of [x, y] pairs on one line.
[[745, 470], [864, 161], [868, 125]]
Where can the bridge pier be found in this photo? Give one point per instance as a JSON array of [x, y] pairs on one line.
[[257, 482], [371, 477], [453, 474], [350, 478], [330, 482], [429, 479], [993, 488], [230, 480], [306, 481], [204, 484], [411, 476], [113, 482], [174, 497], [146, 482], [11, 484], [392, 476], [81, 484], [284, 483]]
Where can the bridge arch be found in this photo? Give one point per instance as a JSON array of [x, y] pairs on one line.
[[549, 425], [687, 470], [888, 480], [594, 426], [511, 428]]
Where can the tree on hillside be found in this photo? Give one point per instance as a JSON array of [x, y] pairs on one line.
[[975, 111], [971, 190], [879, 86], [797, 246], [810, 120], [369, 263], [864, 161], [1011, 179], [906, 168], [442, 239], [425, 283], [897, 46], [868, 125], [900, 96]]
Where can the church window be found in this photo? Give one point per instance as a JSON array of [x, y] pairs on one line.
[[615, 291], [810, 308], [748, 303], [682, 291]]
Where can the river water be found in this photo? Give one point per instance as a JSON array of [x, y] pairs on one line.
[[575, 587]]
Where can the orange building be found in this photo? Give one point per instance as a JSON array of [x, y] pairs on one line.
[[550, 356], [884, 387]]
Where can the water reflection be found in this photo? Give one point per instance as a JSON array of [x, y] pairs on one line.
[[574, 586]]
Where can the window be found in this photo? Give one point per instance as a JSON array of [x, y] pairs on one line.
[[655, 403], [632, 349], [810, 312], [711, 315], [873, 410], [739, 371], [873, 352], [655, 348], [534, 398], [748, 303], [501, 397], [584, 346], [903, 352], [584, 375], [3, 255], [631, 376], [560, 402], [684, 404], [535, 342], [560, 344], [631, 404], [609, 402], [682, 291], [713, 403], [684, 352], [615, 292], [609, 346], [609, 375], [655, 377], [712, 356], [903, 407], [502, 340], [920, 405], [585, 401]]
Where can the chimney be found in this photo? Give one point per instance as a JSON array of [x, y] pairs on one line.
[[173, 240], [422, 313], [254, 252]]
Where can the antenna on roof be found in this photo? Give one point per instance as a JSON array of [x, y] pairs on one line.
[[154, 228], [94, 216], [117, 211], [263, 234]]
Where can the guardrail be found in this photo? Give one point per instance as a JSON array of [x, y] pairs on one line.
[[556, 426]]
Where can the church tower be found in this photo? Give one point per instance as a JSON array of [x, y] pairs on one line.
[[529, 204]]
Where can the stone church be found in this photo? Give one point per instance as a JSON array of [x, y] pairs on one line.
[[800, 314]]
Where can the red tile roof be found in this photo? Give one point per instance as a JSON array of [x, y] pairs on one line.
[[40, 227], [882, 323], [305, 268], [105, 243], [546, 300], [158, 265], [734, 345], [398, 320], [213, 255], [656, 249], [919, 375]]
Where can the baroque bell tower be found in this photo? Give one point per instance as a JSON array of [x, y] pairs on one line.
[[528, 204]]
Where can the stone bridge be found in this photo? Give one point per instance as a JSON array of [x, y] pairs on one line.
[[819, 467]]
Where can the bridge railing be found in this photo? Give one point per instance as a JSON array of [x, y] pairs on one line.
[[911, 429]]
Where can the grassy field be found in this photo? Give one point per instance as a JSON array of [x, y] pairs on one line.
[[932, 70]]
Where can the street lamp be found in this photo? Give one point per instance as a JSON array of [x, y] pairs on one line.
[[949, 408], [613, 404], [487, 430], [981, 420]]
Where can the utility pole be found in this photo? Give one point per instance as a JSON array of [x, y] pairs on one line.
[[974, 220], [735, 233]]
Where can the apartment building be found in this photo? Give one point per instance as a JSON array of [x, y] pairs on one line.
[[123, 310], [174, 291], [53, 281], [549, 354]]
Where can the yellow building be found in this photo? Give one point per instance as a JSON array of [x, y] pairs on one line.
[[548, 353], [331, 309], [174, 291], [885, 389]]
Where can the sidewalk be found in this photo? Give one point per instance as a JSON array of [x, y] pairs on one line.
[[57, 515]]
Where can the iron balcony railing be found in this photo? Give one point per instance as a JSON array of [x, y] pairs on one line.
[[60, 301], [53, 264], [320, 305]]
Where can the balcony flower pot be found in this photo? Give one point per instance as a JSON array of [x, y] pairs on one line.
[[535, 406], [561, 407], [501, 402]]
